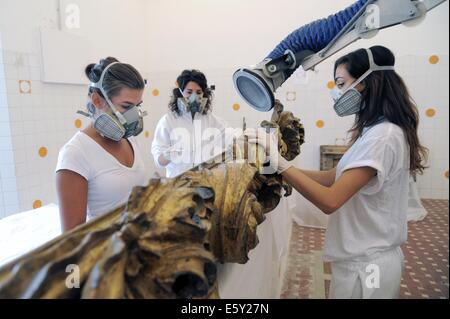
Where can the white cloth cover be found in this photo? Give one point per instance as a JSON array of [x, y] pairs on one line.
[[262, 276], [21, 233]]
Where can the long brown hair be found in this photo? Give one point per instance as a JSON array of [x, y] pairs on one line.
[[385, 95]]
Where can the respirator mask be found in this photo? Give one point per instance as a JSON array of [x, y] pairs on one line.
[[192, 104], [350, 102], [115, 125]]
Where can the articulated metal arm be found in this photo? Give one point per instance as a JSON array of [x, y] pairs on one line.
[[309, 45], [374, 16]]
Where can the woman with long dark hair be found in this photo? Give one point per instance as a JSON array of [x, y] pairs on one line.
[[366, 195]]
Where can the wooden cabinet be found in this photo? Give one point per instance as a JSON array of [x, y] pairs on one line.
[[330, 156]]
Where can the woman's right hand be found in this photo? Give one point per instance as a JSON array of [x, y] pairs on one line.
[[173, 155], [269, 141]]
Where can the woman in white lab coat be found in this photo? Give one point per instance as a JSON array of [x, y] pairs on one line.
[[366, 196], [189, 134]]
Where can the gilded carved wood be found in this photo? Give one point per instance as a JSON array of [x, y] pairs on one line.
[[165, 242]]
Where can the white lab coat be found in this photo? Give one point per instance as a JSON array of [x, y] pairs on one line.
[[196, 140]]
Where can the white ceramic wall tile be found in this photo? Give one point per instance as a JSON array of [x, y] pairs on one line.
[[10, 198], [7, 171], [24, 200], [6, 157], [425, 193], [2, 204], [4, 115], [15, 115], [23, 73], [2, 90], [13, 100], [12, 85], [16, 128], [9, 57], [437, 193], [9, 184], [11, 209], [424, 180], [34, 60], [5, 143], [3, 96], [2, 70], [11, 72], [20, 171]]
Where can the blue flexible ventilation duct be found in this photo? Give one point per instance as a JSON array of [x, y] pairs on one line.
[[316, 35]]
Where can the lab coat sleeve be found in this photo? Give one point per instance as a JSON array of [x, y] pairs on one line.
[[161, 141], [377, 154]]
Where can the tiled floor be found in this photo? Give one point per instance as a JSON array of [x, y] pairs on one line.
[[426, 273]]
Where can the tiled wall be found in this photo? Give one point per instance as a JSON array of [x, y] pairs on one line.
[[9, 201], [37, 119]]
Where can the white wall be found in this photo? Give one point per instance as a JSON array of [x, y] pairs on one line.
[[234, 33]]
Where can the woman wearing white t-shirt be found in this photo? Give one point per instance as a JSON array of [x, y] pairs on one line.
[[189, 134], [366, 196], [98, 168]]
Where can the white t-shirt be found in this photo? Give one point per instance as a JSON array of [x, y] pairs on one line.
[[196, 139], [109, 182], [374, 219]]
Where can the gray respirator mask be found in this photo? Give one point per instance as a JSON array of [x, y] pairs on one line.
[[350, 102], [192, 104], [115, 125]]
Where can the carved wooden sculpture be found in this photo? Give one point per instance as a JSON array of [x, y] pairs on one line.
[[166, 241]]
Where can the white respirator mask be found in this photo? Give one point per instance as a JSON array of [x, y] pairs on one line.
[[350, 102], [116, 125]]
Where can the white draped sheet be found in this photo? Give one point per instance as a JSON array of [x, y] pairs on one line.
[[262, 276]]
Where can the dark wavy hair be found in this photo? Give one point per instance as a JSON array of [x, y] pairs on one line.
[[118, 76], [385, 95], [183, 79]]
